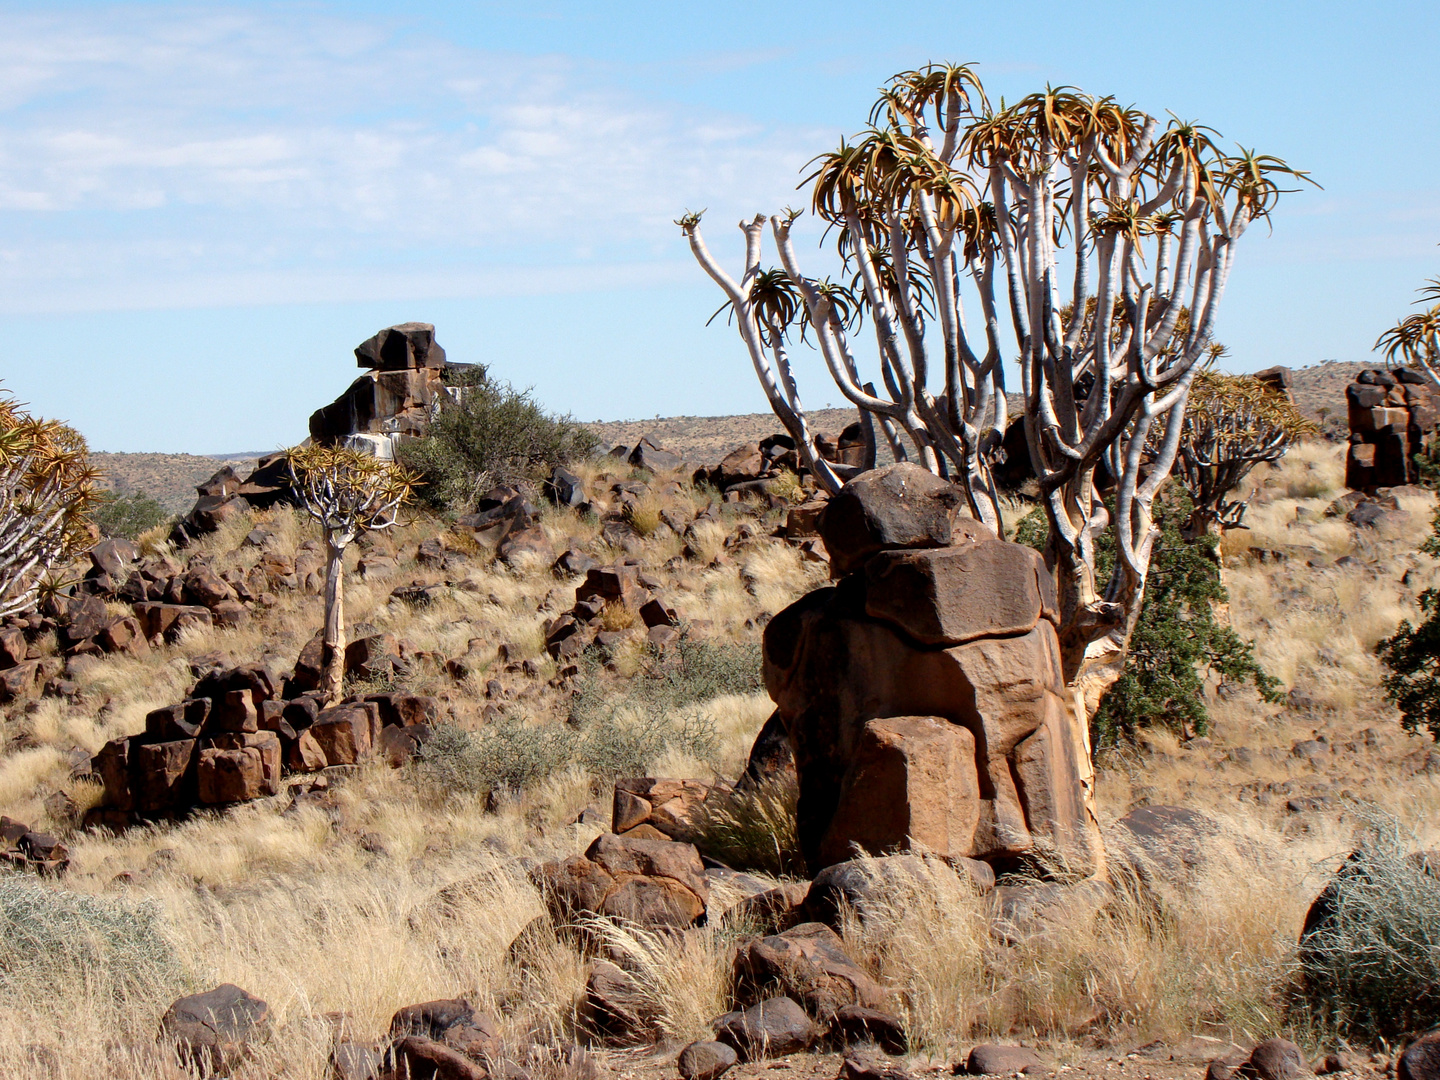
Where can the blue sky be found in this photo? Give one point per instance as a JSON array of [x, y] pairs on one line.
[[204, 208]]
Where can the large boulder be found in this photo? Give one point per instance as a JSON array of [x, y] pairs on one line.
[[898, 507], [773, 1028], [213, 1031], [831, 668]]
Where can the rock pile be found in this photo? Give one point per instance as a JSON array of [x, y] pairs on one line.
[[21, 848], [225, 495], [392, 400], [1391, 414], [239, 730], [621, 587], [922, 693]]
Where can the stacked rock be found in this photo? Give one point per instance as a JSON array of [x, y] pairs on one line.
[[923, 693], [236, 733], [1391, 415], [392, 400]]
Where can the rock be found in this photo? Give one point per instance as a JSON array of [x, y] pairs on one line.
[[830, 668], [564, 488], [900, 506], [771, 757], [417, 1057], [1274, 1059], [1420, 1060], [399, 745], [213, 1031], [706, 1060], [648, 454], [665, 805], [989, 1059], [773, 1028], [981, 587], [124, 634], [169, 621], [614, 1003], [808, 963], [343, 734], [1021, 913], [19, 681], [164, 775], [1167, 839], [911, 783], [451, 1021], [856, 1024], [572, 563], [867, 1068], [353, 1061], [1345, 1061], [653, 882], [227, 776]]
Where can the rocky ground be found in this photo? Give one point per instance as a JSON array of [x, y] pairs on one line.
[[341, 902]]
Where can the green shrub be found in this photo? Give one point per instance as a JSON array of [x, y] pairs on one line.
[[51, 936], [1371, 965], [1177, 639], [1412, 655], [128, 515], [496, 434]]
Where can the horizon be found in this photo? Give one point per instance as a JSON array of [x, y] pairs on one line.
[[204, 211]]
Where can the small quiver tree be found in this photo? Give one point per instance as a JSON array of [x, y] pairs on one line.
[[1232, 424], [349, 493], [1415, 339], [47, 490]]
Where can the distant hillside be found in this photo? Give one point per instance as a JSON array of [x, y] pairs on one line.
[[171, 478]]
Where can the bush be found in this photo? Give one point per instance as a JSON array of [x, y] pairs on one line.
[[1370, 956], [128, 515], [1177, 639], [495, 434], [50, 937], [754, 828], [1412, 654]]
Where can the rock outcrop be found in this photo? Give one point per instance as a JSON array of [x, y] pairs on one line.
[[1391, 414], [392, 400], [922, 693]]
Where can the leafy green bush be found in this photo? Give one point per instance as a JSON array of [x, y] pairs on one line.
[[1412, 654], [1177, 639], [494, 434], [128, 515], [1370, 954], [51, 936]]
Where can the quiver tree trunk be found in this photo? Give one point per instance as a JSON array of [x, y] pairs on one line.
[[333, 683]]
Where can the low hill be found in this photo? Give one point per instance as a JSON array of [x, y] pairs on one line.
[[171, 478]]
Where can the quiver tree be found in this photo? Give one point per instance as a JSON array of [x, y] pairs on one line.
[[1415, 339], [349, 493], [1098, 238], [1231, 424], [47, 490]]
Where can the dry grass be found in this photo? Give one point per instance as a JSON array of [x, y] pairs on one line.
[[390, 896]]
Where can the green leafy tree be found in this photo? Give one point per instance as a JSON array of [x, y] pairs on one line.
[[492, 434], [128, 515], [1412, 654], [1177, 640]]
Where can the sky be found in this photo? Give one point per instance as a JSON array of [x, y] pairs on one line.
[[205, 208]]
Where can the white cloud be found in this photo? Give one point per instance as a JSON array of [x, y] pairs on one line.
[[179, 149]]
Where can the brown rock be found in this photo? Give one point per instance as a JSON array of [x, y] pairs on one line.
[[900, 506], [213, 1031], [706, 1060], [614, 1003], [343, 735], [231, 775], [1274, 1059], [163, 775], [948, 596], [124, 634], [989, 1059], [13, 647], [1420, 1060], [205, 587], [651, 858], [20, 681], [855, 1024], [418, 1057], [911, 784], [305, 754], [774, 1028], [808, 963]]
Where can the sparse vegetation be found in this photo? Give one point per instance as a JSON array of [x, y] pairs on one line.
[[1370, 966], [494, 434], [1412, 657]]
